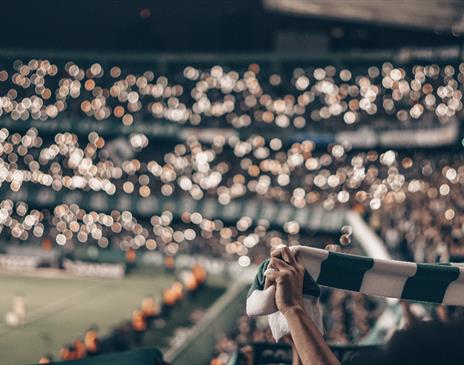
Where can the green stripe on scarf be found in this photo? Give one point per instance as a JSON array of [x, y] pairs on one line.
[[430, 282], [258, 282], [344, 271]]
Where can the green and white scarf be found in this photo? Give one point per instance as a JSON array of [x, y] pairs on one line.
[[442, 284]]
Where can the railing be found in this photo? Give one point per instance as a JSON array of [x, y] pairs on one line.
[[199, 345]]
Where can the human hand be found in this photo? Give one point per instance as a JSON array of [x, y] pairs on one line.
[[287, 274]]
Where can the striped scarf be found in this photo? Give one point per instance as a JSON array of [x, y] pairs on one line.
[[442, 284]]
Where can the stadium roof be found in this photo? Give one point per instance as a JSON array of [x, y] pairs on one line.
[[437, 15]]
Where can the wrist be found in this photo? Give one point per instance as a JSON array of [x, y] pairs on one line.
[[294, 310]]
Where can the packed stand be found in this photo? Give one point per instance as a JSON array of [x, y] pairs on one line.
[[251, 96], [231, 168], [411, 198]]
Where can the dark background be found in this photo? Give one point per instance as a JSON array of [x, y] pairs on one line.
[[192, 26]]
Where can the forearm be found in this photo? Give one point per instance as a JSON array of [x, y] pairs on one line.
[[296, 357], [309, 343]]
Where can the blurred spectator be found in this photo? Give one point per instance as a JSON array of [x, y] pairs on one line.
[[46, 359], [91, 341], [150, 309], [139, 326]]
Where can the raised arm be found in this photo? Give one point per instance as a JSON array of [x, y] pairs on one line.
[[287, 275]]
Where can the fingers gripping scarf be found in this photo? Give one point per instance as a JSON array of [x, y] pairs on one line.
[[386, 278]]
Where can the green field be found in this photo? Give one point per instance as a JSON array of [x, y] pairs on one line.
[[59, 309]]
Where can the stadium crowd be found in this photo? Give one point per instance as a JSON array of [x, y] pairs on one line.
[[239, 96], [413, 199]]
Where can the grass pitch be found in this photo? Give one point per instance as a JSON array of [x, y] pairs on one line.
[[60, 309]]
